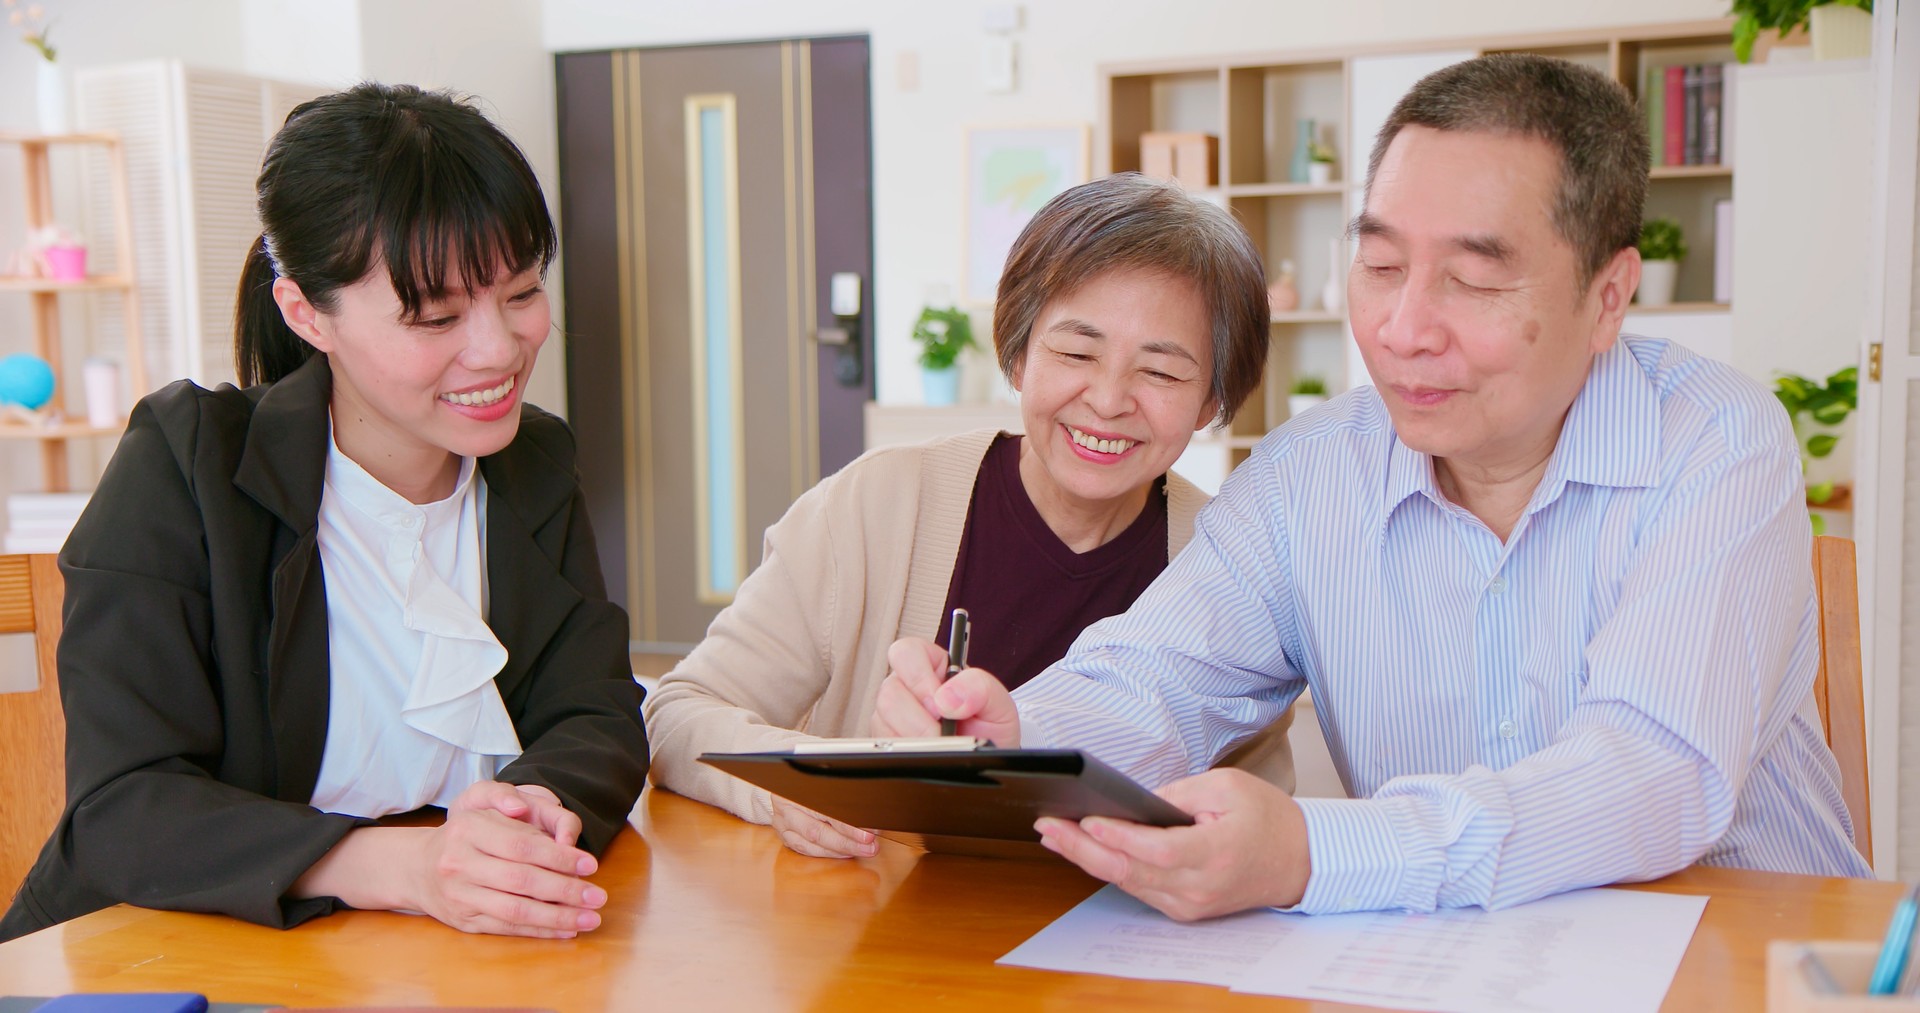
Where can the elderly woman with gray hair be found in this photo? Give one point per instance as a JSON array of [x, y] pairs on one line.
[[1130, 316]]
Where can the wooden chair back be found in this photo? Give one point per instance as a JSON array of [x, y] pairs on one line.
[[33, 772], [1843, 712]]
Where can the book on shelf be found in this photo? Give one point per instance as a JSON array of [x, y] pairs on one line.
[[1687, 109], [1723, 251], [1675, 105], [41, 521]]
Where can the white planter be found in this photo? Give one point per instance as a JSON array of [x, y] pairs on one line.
[[50, 96], [1299, 404], [1840, 33], [1657, 278], [1319, 173]]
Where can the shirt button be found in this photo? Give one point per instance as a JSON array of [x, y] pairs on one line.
[[1508, 729], [1497, 585]]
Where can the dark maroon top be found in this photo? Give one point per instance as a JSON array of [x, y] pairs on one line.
[[1026, 593]]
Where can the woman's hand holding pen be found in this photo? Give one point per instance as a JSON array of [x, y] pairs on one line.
[[480, 871], [816, 836], [917, 694]]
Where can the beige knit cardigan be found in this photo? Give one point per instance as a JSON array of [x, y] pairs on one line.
[[861, 560]]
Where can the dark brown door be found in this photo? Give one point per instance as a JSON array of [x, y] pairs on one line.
[[708, 196]]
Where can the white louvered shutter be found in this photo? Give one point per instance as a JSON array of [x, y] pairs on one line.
[[194, 141]]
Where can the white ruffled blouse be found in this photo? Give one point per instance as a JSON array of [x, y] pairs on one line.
[[413, 715]]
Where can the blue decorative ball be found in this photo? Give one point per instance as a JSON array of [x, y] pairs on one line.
[[25, 380]]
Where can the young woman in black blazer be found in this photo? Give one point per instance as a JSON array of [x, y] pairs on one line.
[[220, 629]]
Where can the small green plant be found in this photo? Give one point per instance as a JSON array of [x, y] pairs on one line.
[[1751, 17], [1661, 239], [1811, 406], [1317, 152], [943, 334], [1309, 385]]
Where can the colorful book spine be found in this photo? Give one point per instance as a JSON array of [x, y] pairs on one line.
[[1691, 82], [1652, 96], [1675, 101], [1710, 117]]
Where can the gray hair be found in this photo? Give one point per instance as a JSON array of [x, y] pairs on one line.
[[1587, 117], [1129, 221]]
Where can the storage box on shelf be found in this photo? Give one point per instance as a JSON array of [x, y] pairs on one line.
[[45, 293], [1260, 105]]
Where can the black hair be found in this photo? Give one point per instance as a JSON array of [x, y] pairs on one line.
[[420, 181]]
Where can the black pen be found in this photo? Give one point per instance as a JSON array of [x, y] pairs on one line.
[[956, 660]]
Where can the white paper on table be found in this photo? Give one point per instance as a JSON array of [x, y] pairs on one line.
[[1600, 950], [1112, 933]]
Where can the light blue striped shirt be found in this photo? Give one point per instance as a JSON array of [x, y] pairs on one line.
[[1621, 689]]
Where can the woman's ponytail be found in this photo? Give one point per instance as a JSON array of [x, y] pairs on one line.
[[264, 347]]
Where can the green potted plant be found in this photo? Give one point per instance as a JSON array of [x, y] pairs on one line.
[[1662, 246], [1845, 22], [1319, 163], [1304, 394], [1816, 410], [943, 333]]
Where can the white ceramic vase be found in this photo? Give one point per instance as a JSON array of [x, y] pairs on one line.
[[1657, 278], [1839, 32], [50, 96], [1333, 295], [1319, 173]]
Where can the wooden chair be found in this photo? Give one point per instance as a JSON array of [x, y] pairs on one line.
[[1837, 685], [33, 771]]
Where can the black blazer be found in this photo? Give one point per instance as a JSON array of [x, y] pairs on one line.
[[194, 668]]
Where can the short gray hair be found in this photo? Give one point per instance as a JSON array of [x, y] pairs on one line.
[[1587, 117], [1129, 221]]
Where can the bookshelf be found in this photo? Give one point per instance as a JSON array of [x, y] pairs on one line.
[[1255, 103], [35, 150]]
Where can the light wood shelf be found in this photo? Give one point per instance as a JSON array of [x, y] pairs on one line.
[[1683, 307], [1309, 317], [57, 431], [46, 292], [1659, 172], [91, 283], [1333, 189]]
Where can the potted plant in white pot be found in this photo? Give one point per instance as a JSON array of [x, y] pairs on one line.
[[1304, 394], [943, 333], [1319, 163], [1838, 29], [1817, 411], [1662, 246]]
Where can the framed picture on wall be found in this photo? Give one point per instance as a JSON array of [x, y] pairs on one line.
[[1011, 172]]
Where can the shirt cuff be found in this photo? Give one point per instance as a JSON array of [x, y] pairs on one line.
[[1359, 859]]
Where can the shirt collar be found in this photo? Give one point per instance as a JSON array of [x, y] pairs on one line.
[[1611, 437], [373, 498]]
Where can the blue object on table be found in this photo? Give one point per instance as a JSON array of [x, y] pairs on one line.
[[1899, 942], [25, 380], [127, 1002]]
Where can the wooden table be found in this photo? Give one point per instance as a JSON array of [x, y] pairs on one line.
[[711, 913]]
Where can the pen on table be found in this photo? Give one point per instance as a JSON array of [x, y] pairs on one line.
[[956, 659], [1894, 950]]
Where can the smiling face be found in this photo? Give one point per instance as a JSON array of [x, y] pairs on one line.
[[1114, 383], [1466, 302], [412, 396]]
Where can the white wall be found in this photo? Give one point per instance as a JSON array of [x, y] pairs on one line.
[[918, 133]]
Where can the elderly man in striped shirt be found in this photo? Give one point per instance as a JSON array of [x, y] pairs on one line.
[[1548, 584]]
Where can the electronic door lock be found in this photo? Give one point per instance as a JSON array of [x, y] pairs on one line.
[[843, 302]]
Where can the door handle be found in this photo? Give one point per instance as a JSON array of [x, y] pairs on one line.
[[843, 302]]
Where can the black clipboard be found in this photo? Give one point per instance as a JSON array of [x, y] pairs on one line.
[[953, 801]]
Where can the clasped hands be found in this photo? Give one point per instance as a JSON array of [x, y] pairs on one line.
[[504, 862]]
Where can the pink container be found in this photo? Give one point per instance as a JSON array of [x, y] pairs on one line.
[[66, 263]]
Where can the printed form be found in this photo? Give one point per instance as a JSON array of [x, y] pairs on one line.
[[1613, 950]]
